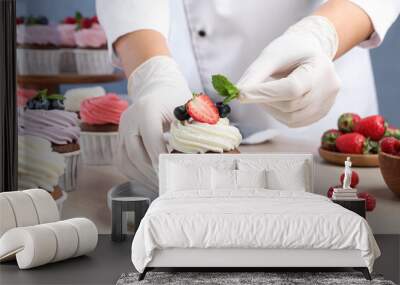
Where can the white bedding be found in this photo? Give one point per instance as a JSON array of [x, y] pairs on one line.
[[252, 218]]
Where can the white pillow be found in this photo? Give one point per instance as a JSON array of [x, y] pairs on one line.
[[251, 178], [293, 180], [282, 174], [224, 179], [183, 178]]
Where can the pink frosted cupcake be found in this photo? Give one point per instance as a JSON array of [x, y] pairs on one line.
[[91, 54], [37, 46], [66, 30], [37, 32], [99, 127]]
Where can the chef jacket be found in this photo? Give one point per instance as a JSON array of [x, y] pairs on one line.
[[209, 37]]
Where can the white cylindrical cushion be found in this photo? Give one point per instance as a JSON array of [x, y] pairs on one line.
[[23, 208], [37, 245], [67, 239], [87, 234], [34, 245], [7, 218], [46, 207]]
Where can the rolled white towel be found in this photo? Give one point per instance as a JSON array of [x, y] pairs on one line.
[[37, 245]]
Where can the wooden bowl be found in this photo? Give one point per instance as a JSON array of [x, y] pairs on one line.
[[390, 169], [360, 160]]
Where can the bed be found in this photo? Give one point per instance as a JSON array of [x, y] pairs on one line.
[[246, 211]]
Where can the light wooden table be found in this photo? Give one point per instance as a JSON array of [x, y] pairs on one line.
[[385, 219]]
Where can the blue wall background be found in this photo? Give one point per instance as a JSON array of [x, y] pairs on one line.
[[385, 59]]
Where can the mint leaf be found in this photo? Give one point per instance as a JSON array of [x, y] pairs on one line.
[[225, 88], [41, 94], [78, 16], [55, 97]]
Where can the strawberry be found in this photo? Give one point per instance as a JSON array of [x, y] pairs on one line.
[[94, 20], [370, 201], [328, 139], [354, 179], [86, 23], [372, 127], [390, 145], [392, 132], [70, 20], [202, 109], [20, 20], [355, 143], [347, 122]]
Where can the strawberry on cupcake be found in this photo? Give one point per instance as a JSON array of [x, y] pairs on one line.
[[201, 125]]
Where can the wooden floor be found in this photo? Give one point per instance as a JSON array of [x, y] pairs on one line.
[[110, 260]]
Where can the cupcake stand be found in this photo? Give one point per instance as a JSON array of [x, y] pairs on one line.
[[92, 181], [52, 82]]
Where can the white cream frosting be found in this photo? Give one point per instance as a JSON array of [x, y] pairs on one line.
[[38, 165], [74, 97], [195, 137]]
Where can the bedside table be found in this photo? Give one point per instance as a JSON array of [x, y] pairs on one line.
[[355, 205]]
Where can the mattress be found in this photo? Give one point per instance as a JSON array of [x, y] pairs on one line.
[[251, 219]]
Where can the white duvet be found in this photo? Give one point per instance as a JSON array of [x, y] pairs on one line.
[[250, 219]]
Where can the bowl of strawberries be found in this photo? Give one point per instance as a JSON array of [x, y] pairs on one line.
[[357, 138], [389, 161]]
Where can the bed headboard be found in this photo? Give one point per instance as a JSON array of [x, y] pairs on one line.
[[285, 161]]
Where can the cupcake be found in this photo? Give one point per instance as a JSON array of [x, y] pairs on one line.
[[40, 167], [45, 118], [66, 29], [100, 118], [37, 46], [91, 55], [201, 126], [74, 97], [190, 136]]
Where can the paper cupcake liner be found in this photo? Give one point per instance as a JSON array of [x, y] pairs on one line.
[[98, 148], [38, 61], [68, 61], [60, 202], [91, 61], [69, 180]]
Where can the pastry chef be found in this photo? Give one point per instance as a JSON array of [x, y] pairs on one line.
[[298, 64]]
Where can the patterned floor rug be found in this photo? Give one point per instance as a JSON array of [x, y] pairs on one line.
[[244, 278]]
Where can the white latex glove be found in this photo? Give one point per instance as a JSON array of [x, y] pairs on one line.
[[294, 77], [156, 88]]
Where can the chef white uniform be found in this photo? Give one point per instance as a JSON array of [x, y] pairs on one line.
[[225, 36]]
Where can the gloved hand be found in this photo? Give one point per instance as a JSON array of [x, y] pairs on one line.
[[294, 77], [156, 87]]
